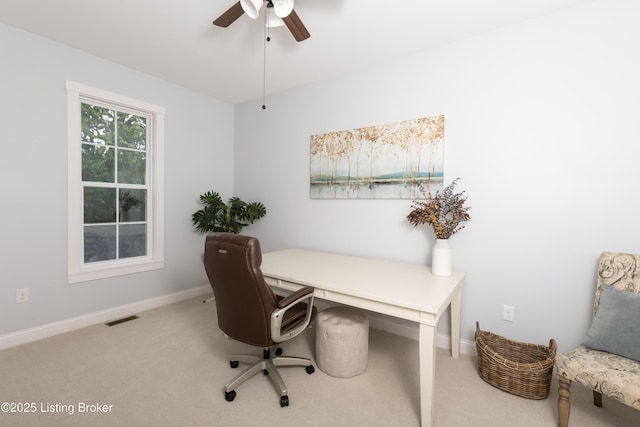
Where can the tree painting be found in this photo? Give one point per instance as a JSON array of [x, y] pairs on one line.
[[379, 162]]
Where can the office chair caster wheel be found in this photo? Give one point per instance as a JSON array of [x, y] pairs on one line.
[[278, 351], [310, 369], [284, 401], [234, 364], [230, 395]]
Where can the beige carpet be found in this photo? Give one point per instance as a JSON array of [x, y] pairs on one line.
[[168, 368]]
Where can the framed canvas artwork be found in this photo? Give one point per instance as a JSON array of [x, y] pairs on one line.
[[386, 161]]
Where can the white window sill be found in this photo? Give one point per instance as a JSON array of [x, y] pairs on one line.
[[119, 270]]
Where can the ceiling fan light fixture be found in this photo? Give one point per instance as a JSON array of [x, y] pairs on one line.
[[274, 21], [251, 7], [282, 8]]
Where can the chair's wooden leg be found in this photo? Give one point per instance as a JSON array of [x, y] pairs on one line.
[[597, 399], [564, 405]]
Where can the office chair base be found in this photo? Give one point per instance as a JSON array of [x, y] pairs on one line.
[[229, 396], [268, 366]]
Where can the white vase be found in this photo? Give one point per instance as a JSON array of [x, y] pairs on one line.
[[441, 258]]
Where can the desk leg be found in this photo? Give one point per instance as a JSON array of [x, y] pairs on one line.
[[456, 306], [427, 347]]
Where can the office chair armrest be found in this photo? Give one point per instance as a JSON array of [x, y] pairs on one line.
[[286, 301], [304, 294]]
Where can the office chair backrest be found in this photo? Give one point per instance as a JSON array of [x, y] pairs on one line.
[[244, 301]]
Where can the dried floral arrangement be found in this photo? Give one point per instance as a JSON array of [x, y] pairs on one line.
[[445, 211]]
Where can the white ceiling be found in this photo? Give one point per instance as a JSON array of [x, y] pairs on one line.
[[176, 41]]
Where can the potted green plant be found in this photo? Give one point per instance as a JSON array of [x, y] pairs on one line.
[[229, 217], [445, 212]]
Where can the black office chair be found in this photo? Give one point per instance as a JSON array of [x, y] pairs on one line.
[[249, 311]]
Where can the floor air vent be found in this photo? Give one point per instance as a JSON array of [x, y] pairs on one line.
[[124, 319]]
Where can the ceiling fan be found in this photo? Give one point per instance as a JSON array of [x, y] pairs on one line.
[[283, 10]]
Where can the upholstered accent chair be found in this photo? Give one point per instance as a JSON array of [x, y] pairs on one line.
[[248, 310], [608, 361]]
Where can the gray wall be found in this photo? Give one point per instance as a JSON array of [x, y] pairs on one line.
[[541, 123], [33, 178]]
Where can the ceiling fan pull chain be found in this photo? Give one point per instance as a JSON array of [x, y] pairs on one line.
[[267, 38]]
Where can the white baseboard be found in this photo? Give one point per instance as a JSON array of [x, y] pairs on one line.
[[50, 329], [377, 321]]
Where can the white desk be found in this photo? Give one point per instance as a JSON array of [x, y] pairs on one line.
[[407, 291]]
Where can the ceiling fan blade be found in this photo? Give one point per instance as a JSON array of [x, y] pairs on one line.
[[227, 18], [295, 25]]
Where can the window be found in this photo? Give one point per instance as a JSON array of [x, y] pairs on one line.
[[115, 162]]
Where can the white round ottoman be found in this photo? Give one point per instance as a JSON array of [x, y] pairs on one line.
[[342, 341]]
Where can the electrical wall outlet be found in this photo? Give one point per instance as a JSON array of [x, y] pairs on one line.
[[22, 295], [508, 313]]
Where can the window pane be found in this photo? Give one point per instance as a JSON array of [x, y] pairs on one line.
[[99, 205], [97, 163], [116, 223], [99, 243], [131, 167], [133, 240], [132, 131], [98, 124], [133, 205]]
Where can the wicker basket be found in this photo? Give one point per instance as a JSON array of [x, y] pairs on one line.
[[517, 368]]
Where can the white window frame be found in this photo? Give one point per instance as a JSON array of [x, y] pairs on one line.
[[77, 269]]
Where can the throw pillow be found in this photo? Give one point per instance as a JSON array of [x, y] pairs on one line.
[[616, 325]]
